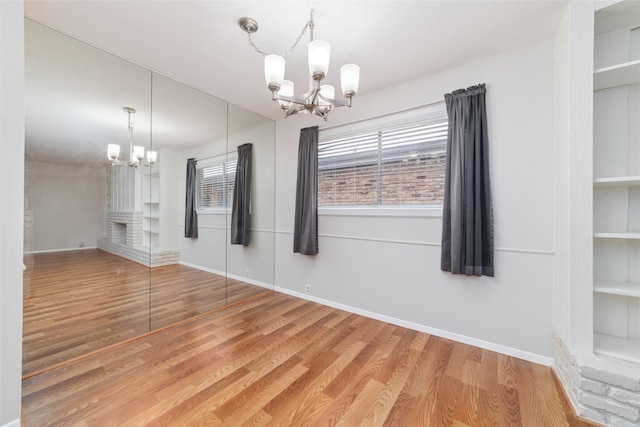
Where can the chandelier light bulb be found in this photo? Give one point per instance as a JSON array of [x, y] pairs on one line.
[[327, 91], [152, 157], [113, 151], [319, 55], [274, 71], [349, 79], [285, 90], [138, 152]]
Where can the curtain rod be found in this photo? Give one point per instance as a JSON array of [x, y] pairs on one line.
[[209, 157]]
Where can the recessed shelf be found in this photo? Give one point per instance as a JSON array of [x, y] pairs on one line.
[[622, 348], [617, 181], [617, 75], [152, 203], [629, 289], [617, 235]]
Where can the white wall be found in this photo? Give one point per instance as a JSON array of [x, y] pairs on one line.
[[172, 169], [11, 202], [561, 195], [391, 266], [65, 205]]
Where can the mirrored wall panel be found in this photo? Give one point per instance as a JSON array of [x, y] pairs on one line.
[[188, 275], [107, 196], [79, 297], [250, 258]]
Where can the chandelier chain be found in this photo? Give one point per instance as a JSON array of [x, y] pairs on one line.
[[309, 25]]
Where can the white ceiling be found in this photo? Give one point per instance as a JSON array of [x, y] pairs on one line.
[[200, 43], [75, 93]]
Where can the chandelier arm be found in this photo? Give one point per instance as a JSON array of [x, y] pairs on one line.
[[335, 102], [318, 112], [295, 110], [299, 99]]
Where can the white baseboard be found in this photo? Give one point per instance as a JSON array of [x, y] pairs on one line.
[[207, 269], [225, 274], [509, 351], [250, 281], [60, 250], [14, 423]]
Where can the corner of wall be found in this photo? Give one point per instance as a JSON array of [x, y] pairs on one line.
[[567, 370], [11, 206], [599, 389]]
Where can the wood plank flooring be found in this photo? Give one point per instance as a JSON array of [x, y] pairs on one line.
[[276, 360], [79, 301]]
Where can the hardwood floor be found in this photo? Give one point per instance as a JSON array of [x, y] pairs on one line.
[[79, 301], [276, 360]]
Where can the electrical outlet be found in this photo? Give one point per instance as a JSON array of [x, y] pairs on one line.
[[308, 289], [246, 272]]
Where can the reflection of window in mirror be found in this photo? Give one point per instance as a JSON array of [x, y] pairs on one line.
[[215, 179]]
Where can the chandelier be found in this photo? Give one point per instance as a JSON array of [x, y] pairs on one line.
[[136, 152], [320, 98]]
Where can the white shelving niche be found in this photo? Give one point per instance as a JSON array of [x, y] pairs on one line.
[[151, 208], [616, 189]]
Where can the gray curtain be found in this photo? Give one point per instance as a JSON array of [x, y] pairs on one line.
[[241, 210], [467, 223], [190, 215], [305, 231]]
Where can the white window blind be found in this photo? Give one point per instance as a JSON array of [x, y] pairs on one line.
[[395, 160], [215, 179]]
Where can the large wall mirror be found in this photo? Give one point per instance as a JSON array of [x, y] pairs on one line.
[[106, 259]]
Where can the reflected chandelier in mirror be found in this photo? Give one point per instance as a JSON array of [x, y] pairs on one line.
[[136, 152]]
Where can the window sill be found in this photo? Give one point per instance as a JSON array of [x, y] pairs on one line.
[[221, 211], [403, 212]]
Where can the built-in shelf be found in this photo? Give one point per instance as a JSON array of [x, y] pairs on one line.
[[152, 203], [628, 289], [617, 235], [153, 218], [617, 181], [617, 75], [154, 233], [622, 348]]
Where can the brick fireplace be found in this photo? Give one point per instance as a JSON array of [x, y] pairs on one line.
[[125, 239], [125, 228]]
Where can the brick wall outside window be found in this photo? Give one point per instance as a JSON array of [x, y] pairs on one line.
[[394, 160], [423, 186]]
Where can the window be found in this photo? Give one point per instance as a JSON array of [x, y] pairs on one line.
[[392, 161], [215, 178]]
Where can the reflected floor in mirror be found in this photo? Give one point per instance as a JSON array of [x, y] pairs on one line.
[[278, 360], [77, 302]]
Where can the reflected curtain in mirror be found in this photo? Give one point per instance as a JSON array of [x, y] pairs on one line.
[[241, 210], [305, 232], [467, 223], [190, 214]]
